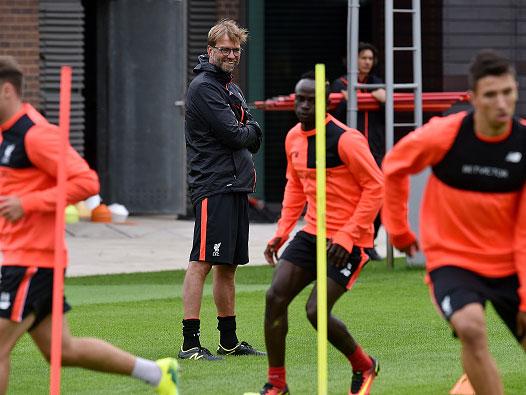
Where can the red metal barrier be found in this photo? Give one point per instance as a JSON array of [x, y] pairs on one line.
[[403, 102]]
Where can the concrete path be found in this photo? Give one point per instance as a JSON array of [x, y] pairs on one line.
[[148, 243], [144, 243]]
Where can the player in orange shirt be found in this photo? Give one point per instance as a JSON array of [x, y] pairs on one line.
[[29, 148], [473, 212], [354, 197]]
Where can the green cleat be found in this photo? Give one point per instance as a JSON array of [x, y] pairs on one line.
[[168, 384]]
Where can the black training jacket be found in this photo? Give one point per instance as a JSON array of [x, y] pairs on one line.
[[370, 123], [221, 135]]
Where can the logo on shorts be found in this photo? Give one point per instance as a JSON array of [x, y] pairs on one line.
[[446, 306], [216, 249], [513, 157], [5, 301], [346, 271], [7, 154]]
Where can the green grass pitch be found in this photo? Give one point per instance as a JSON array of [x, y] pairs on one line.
[[389, 313]]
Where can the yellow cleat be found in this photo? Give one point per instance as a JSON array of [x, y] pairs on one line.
[[168, 384]]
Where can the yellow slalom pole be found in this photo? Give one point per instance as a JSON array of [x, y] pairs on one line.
[[321, 233]]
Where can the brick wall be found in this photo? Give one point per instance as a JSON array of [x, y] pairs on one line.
[[19, 38]]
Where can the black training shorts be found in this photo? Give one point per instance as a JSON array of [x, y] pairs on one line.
[[301, 251], [221, 229], [26, 290], [453, 288]]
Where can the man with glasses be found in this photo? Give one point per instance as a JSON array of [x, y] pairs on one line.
[[221, 136]]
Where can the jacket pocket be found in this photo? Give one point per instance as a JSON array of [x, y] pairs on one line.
[[234, 166], [244, 168]]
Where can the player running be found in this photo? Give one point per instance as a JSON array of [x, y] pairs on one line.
[[473, 214], [29, 148], [354, 196]]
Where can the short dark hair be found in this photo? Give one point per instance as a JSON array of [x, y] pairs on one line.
[[11, 72], [488, 62], [362, 46], [308, 75], [311, 75]]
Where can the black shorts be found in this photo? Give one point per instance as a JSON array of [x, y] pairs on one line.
[[26, 290], [301, 251], [453, 288], [221, 229]]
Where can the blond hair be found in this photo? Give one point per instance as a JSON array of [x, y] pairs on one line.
[[229, 27], [11, 72]]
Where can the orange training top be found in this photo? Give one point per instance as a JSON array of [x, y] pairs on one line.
[[29, 147], [473, 213], [354, 185]]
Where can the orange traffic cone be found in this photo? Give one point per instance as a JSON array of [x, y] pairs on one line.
[[101, 214], [462, 387]]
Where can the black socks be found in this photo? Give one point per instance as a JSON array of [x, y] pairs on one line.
[[227, 332], [225, 325], [191, 334]]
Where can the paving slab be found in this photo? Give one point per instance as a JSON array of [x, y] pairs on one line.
[[143, 244], [150, 243]]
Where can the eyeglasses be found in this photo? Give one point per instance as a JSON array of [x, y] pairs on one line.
[[226, 51]]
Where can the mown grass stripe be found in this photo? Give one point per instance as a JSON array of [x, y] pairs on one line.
[[388, 312]]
